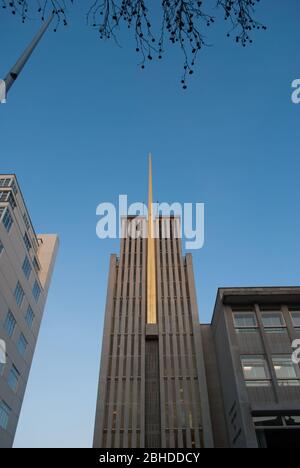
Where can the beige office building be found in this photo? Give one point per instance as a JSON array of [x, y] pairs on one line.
[[26, 265]]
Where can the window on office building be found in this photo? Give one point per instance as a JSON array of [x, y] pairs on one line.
[[255, 369], [6, 218], [26, 221], [285, 371], [13, 378], [245, 320], [36, 265], [12, 201], [4, 196], [10, 324], [27, 242], [4, 414], [19, 294], [36, 291], [29, 317], [296, 318], [273, 322], [22, 345], [1, 247], [5, 182], [26, 267], [14, 187]]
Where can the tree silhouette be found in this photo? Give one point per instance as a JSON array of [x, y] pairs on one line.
[[182, 22]]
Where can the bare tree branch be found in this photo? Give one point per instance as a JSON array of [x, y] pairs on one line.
[[182, 23]]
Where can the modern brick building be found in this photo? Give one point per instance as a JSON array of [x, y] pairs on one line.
[[26, 265]]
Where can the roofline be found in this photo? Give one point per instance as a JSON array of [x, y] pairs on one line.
[[243, 290], [23, 200]]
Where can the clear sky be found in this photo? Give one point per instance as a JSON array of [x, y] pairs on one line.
[[77, 129]]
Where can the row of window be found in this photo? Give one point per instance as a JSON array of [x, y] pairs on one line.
[[19, 292], [13, 377], [9, 182], [10, 321], [4, 414], [8, 197], [6, 218], [257, 373], [269, 319], [8, 222], [10, 325]]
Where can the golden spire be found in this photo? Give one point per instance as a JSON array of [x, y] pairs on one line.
[[151, 263]]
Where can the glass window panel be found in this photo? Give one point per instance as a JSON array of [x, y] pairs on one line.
[[267, 421], [13, 378], [255, 368], [284, 367], [273, 319], [296, 318], [258, 383], [10, 323], [245, 320], [289, 383], [281, 331], [292, 420], [19, 294], [29, 317], [26, 268], [36, 291], [22, 344], [4, 414]]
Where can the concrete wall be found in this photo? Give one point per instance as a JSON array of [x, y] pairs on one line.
[[11, 261]]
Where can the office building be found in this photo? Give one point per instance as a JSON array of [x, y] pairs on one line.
[[253, 383], [26, 266]]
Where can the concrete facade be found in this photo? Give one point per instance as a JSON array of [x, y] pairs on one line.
[[254, 387], [26, 266], [152, 385]]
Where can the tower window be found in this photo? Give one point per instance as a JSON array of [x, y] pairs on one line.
[[27, 242], [4, 414], [26, 268], [22, 345], [9, 324], [273, 320], [19, 294], [7, 218], [296, 318], [245, 320], [13, 378], [29, 317], [285, 371], [36, 291], [255, 368]]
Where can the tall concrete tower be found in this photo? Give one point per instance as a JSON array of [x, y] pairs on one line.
[[152, 387]]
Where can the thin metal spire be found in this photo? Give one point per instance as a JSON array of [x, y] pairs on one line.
[[18, 67], [151, 263]]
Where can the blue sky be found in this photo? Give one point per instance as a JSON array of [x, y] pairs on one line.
[[77, 129]]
